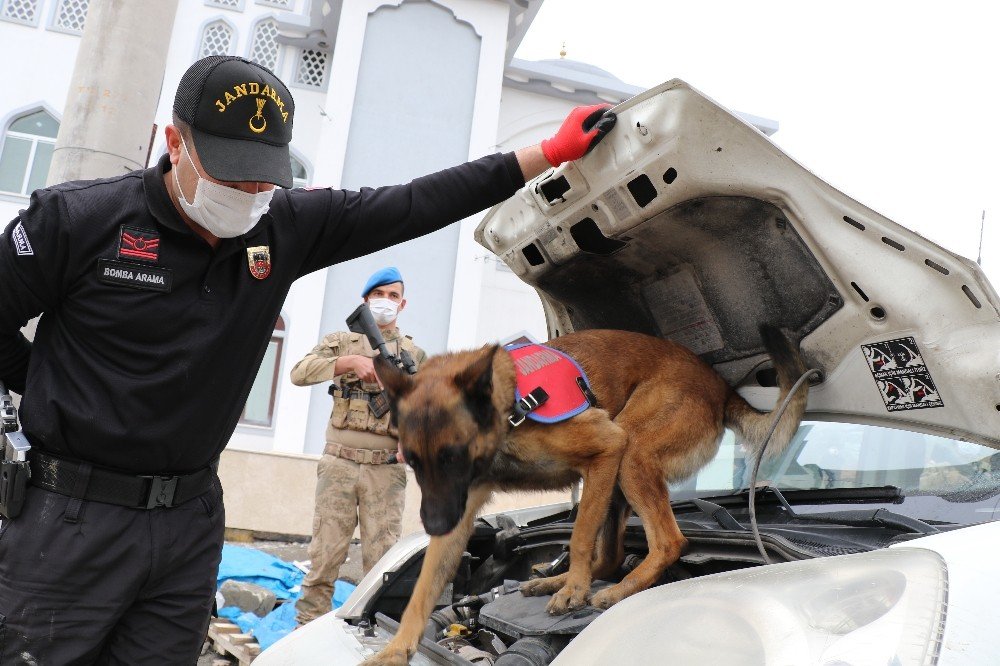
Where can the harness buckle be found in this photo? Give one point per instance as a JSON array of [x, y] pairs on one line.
[[161, 491], [526, 405]]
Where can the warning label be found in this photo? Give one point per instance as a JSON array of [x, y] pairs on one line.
[[901, 376], [681, 313]]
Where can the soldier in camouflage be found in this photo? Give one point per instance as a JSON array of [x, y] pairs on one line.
[[354, 484]]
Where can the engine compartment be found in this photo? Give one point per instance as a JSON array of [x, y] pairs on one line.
[[482, 618]]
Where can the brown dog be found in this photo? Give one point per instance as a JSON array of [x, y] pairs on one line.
[[660, 416]]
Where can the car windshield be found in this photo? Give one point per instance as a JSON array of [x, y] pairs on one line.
[[826, 455]]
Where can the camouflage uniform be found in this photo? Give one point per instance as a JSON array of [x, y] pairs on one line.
[[353, 485]]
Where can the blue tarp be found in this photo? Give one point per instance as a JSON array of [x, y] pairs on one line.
[[253, 566], [285, 580]]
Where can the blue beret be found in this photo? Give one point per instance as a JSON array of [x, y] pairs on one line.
[[387, 275]]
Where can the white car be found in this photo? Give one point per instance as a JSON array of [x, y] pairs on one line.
[[876, 524]]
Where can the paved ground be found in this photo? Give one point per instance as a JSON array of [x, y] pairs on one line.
[[289, 552]]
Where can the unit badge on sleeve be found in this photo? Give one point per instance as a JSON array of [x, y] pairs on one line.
[[259, 259]]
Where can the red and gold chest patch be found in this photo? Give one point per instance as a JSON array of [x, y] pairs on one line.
[[259, 259]]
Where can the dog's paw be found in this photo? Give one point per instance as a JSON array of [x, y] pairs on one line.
[[388, 657], [605, 599], [542, 586], [569, 598]]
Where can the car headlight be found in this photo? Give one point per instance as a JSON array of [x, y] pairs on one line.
[[886, 607]]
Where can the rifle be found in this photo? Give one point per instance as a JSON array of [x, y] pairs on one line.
[[361, 321], [14, 469]]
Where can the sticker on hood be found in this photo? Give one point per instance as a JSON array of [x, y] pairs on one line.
[[901, 375]]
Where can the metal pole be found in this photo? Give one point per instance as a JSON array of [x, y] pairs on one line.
[[107, 124]]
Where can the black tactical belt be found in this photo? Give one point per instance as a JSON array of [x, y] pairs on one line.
[[61, 475], [357, 394]]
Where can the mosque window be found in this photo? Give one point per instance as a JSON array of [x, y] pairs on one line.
[[264, 47], [70, 16], [20, 11], [26, 152], [217, 38], [312, 69], [259, 410]]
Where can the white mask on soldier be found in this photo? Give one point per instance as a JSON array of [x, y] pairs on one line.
[[383, 310]]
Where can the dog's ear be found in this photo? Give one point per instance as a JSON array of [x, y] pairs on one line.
[[396, 382], [476, 384]]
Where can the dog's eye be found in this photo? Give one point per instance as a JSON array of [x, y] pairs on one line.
[[412, 460]]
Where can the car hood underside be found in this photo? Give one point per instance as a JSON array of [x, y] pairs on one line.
[[689, 224]]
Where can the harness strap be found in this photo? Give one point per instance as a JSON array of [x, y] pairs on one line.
[[526, 405], [591, 398]]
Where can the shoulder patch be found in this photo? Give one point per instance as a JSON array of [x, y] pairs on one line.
[[21, 243]]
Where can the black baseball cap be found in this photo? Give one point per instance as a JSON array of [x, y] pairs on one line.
[[240, 115]]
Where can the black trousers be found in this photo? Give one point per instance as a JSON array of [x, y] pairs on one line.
[[119, 586]]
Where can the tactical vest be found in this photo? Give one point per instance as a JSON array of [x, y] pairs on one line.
[[351, 396]]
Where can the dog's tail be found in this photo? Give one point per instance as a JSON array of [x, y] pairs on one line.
[[750, 425]]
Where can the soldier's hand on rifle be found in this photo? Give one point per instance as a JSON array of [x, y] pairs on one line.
[[362, 366]]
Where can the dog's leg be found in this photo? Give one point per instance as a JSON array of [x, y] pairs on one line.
[[610, 550], [440, 563], [644, 485], [609, 553], [598, 447]]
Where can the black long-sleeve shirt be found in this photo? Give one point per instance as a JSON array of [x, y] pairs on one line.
[[149, 340]]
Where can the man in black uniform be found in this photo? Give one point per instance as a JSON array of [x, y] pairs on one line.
[[158, 291]]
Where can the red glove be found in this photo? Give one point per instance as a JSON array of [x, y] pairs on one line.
[[583, 128]]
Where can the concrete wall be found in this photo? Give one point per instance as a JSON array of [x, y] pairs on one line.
[[275, 493]]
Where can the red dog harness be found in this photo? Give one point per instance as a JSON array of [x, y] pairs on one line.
[[551, 386]]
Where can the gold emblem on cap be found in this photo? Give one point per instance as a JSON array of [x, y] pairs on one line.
[[252, 88], [261, 101]]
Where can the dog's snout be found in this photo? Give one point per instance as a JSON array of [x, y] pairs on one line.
[[439, 520]]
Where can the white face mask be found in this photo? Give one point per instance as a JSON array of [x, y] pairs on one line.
[[383, 310], [224, 211]]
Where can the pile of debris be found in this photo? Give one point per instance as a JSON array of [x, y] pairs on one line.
[[255, 602]]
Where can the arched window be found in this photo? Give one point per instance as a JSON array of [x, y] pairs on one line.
[[217, 38], [264, 47], [20, 11], [259, 410], [26, 152], [312, 69]]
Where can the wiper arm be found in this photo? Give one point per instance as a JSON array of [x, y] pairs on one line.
[[719, 514], [863, 518], [860, 517], [888, 494]]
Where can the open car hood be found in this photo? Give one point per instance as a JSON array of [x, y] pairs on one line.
[[687, 223]]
